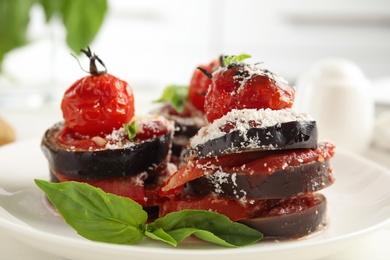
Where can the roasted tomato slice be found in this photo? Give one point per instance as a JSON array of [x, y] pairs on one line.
[[237, 210], [263, 163], [233, 209], [194, 169], [130, 187]]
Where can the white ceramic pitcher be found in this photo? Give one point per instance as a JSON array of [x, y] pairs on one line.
[[337, 94]]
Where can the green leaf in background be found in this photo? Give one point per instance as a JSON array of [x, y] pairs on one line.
[[206, 225], [51, 7], [176, 96], [14, 19], [97, 215], [82, 20], [233, 59], [130, 129]]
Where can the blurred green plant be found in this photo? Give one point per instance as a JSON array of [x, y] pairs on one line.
[[82, 20]]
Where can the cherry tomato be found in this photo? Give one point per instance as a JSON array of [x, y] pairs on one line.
[[241, 86], [263, 92], [219, 97], [98, 103], [200, 83], [95, 105]]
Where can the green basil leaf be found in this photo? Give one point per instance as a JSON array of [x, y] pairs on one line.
[[14, 19], [130, 129], [233, 59], [82, 20], [176, 96], [153, 232], [97, 215], [209, 226], [51, 7]]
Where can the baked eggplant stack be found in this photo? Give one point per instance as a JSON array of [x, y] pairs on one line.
[[257, 161], [102, 142]]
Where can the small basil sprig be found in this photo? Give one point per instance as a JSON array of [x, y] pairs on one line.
[[176, 96], [233, 59], [131, 129], [104, 217]]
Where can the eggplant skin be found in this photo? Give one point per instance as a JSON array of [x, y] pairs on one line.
[[105, 163], [290, 135], [294, 225], [291, 181]]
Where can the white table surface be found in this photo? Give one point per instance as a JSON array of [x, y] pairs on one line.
[[374, 246]]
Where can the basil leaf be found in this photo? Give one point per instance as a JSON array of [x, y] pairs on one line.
[[130, 129], [14, 19], [233, 59], [97, 215], [209, 226], [51, 7], [159, 234], [82, 20], [176, 96]]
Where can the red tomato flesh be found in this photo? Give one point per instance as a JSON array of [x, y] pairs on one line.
[[97, 104], [238, 210], [242, 86], [200, 83], [130, 187], [148, 129], [264, 163]]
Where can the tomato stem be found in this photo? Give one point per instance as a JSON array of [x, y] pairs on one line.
[[206, 72], [222, 61], [93, 70]]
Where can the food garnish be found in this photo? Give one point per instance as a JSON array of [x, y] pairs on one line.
[[176, 96], [105, 217]]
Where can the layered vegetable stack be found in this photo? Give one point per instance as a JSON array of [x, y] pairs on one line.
[[101, 142], [257, 161], [184, 105]]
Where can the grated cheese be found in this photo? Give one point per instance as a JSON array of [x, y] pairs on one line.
[[243, 120]]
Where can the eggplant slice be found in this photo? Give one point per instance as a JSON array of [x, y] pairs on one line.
[[293, 180], [105, 163], [295, 225], [290, 135]]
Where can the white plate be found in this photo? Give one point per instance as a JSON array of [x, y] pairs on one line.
[[359, 203]]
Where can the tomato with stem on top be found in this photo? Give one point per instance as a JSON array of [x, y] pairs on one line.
[[97, 104], [240, 85]]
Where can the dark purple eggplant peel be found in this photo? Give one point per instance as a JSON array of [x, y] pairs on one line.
[[104, 163]]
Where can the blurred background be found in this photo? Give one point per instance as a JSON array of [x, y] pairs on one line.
[[152, 44]]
